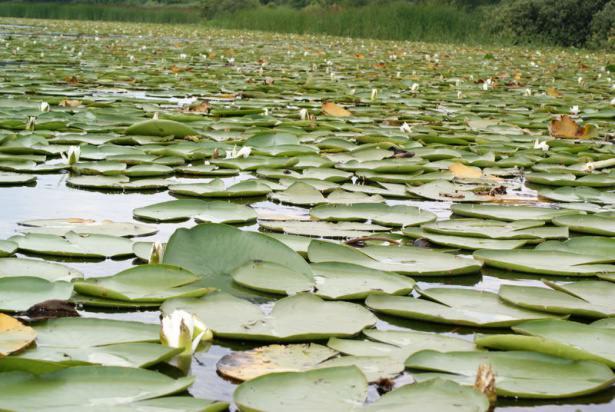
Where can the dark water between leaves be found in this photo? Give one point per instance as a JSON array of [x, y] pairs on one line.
[[50, 198]]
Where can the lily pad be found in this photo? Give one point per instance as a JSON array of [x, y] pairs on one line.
[[510, 213], [60, 227], [73, 244], [296, 318], [182, 209], [495, 229], [519, 374], [323, 229], [593, 224], [7, 248], [378, 213], [217, 188], [455, 306], [14, 335], [20, 293], [14, 267]]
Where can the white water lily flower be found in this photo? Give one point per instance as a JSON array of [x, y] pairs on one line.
[[487, 84], [405, 127], [303, 114], [243, 152], [155, 116], [155, 256], [374, 94], [183, 330], [183, 56], [30, 123], [574, 110], [45, 107], [72, 155], [459, 94], [415, 87], [527, 92], [613, 101], [589, 167], [541, 145]]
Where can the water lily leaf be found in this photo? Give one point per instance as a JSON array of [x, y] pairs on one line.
[[593, 224], [578, 194], [331, 389], [296, 318], [14, 335], [570, 340], [161, 128], [378, 213], [182, 209], [323, 229], [247, 365], [582, 245], [509, 213], [14, 179], [7, 248], [85, 386], [436, 395], [305, 195], [496, 229], [404, 260], [20, 293], [148, 170], [375, 368], [214, 251], [116, 183], [60, 227], [447, 191], [15, 267], [410, 341], [519, 374], [462, 171], [330, 280], [145, 283], [463, 242], [455, 306], [207, 170], [579, 298], [548, 262], [217, 188], [105, 168], [73, 244]]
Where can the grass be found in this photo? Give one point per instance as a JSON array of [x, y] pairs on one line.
[[100, 12], [400, 21]]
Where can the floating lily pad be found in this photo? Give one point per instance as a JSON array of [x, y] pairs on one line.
[[85, 386], [495, 229], [323, 229], [463, 242], [303, 194], [122, 183], [145, 284], [548, 262], [378, 213], [582, 245], [214, 211], [160, 128], [15, 267], [73, 244], [455, 306], [214, 251], [20, 293], [60, 227], [593, 224], [14, 335], [217, 188], [404, 260], [570, 340], [14, 179], [296, 318], [7, 248], [519, 374]]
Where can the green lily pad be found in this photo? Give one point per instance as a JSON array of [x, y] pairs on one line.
[[85, 386], [296, 318], [146, 284], [495, 229], [305, 195], [160, 128], [214, 251], [217, 188], [593, 224], [585, 298], [182, 209], [378, 213], [16, 267], [331, 389], [73, 244], [15, 179], [463, 242], [455, 306], [548, 262], [578, 194], [519, 374], [582, 245], [7, 248], [20, 293], [122, 183], [60, 227], [323, 229], [404, 260], [570, 340]]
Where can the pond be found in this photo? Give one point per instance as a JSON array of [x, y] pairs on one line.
[[408, 125]]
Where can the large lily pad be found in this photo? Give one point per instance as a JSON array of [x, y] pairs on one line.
[[73, 244], [217, 188], [495, 229], [14, 335], [593, 224], [85, 386], [61, 227], [455, 306], [214, 251], [12, 267], [378, 213], [510, 213], [404, 260], [182, 209], [20, 293], [519, 374], [295, 318], [145, 284]]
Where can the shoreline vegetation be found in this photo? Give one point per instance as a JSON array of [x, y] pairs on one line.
[[564, 23]]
